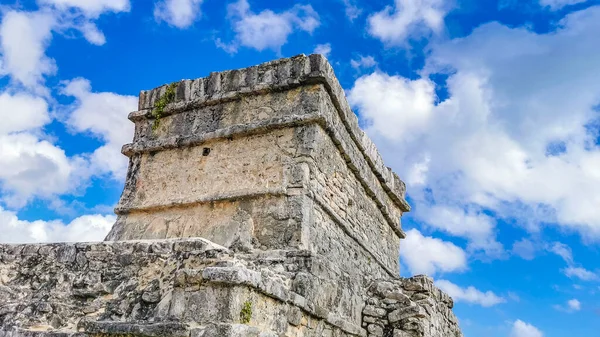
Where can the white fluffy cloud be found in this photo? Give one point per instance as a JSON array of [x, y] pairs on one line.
[[574, 304], [364, 62], [21, 111], [90, 8], [522, 329], [558, 4], [427, 255], [580, 273], [351, 9], [470, 294], [30, 167], [394, 25], [477, 227], [475, 149], [24, 38], [572, 270], [392, 106], [563, 251], [91, 33], [267, 29], [324, 49], [525, 249], [85, 228], [179, 13], [104, 115]]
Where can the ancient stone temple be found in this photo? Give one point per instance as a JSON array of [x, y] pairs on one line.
[[254, 206]]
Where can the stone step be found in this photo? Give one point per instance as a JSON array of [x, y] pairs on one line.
[[231, 330], [160, 329], [164, 329], [172, 329]]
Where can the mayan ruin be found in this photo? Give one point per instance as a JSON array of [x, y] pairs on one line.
[[254, 205]]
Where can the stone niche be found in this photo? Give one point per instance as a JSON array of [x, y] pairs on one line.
[[254, 205]]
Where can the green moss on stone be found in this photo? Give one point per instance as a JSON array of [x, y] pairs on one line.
[[161, 103], [246, 313]]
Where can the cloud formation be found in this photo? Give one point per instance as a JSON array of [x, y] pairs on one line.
[[178, 13], [86, 228], [559, 4], [522, 329], [32, 112], [32, 166], [324, 49], [104, 115], [351, 9], [267, 29], [580, 273], [90, 8], [470, 294], [24, 37], [406, 19], [364, 62], [427, 255], [471, 156], [571, 306]]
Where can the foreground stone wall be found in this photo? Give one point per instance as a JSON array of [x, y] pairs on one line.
[[162, 288], [193, 287]]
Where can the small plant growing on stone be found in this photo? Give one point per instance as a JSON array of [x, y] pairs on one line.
[[159, 106], [246, 312]]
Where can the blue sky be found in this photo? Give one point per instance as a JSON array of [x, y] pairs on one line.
[[489, 110]]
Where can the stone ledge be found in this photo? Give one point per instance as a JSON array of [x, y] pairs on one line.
[[16, 332], [64, 252], [235, 130], [142, 329]]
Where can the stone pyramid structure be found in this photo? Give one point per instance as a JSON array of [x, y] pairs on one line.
[[254, 205]]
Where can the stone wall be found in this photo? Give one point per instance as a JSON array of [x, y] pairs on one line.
[[268, 157], [163, 288], [192, 287], [254, 206], [244, 134], [411, 307]]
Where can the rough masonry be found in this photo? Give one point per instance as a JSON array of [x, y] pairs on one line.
[[254, 205]]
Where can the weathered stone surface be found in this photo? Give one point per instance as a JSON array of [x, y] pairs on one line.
[[256, 207], [422, 311], [246, 158], [158, 288]]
